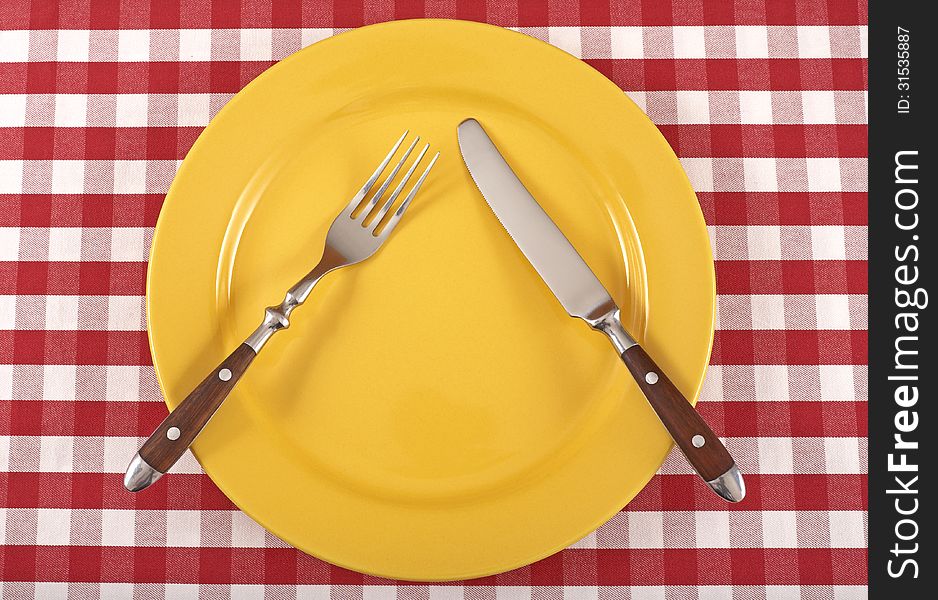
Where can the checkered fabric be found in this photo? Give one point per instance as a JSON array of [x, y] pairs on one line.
[[763, 101]]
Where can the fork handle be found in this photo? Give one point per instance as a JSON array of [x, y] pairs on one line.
[[178, 430]]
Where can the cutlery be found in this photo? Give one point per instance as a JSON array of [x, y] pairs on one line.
[[582, 295], [356, 234]]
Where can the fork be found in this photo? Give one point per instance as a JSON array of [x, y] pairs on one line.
[[356, 234]]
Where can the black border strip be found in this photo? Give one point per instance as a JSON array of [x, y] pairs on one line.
[[902, 268]]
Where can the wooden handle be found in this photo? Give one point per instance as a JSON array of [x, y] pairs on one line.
[[177, 431], [700, 445]]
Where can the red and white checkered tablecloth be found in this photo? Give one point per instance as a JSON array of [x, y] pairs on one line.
[[763, 101]]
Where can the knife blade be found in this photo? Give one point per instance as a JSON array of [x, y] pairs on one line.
[[540, 240], [582, 295]]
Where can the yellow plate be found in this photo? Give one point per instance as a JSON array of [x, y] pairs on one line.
[[431, 413]]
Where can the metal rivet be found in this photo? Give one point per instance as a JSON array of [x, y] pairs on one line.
[[173, 433], [651, 378], [698, 441], [224, 374]]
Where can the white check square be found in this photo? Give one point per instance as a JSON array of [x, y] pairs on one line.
[[851, 592], [122, 591], [322, 592], [117, 452], [6, 383], [51, 590], [53, 526], [117, 527], [380, 592], [133, 45], [11, 181], [814, 41], [764, 242], [187, 591], [627, 42], [837, 382], [65, 244], [818, 107], [257, 44], [125, 313], [245, 533], [776, 456], [195, 44], [123, 382], [588, 541], [847, 529], [768, 311], [639, 98], [12, 110], [131, 110], [713, 384], [700, 173], [62, 313], [68, 176], [520, 592], [760, 174], [55, 454], [128, 244], [779, 529], [823, 175], [570, 592], [646, 529], [73, 45], [755, 107], [828, 242], [783, 592], [194, 110], [14, 46], [130, 177], [311, 35], [4, 447], [183, 528], [715, 592], [567, 39], [648, 592], [693, 106], [58, 382], [689, 42], [752, 41], [713, 529], [771, 382], [249, 591], [7, 319], [833, 311], [842, 456], [9, 243]]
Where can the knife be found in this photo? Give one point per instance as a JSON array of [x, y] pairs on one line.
[[582, 295]]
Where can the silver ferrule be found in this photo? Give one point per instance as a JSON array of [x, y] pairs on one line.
[[275, 319], [610, 324], [278, 317], [730, 485], [140, 475]]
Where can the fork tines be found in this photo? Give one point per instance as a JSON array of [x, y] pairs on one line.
[[369, 217]]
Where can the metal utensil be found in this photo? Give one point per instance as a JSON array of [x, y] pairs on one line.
[[357, 233], [583, 296]]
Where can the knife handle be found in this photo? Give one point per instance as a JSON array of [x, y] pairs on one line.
[[173, 436], [700, 445]]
